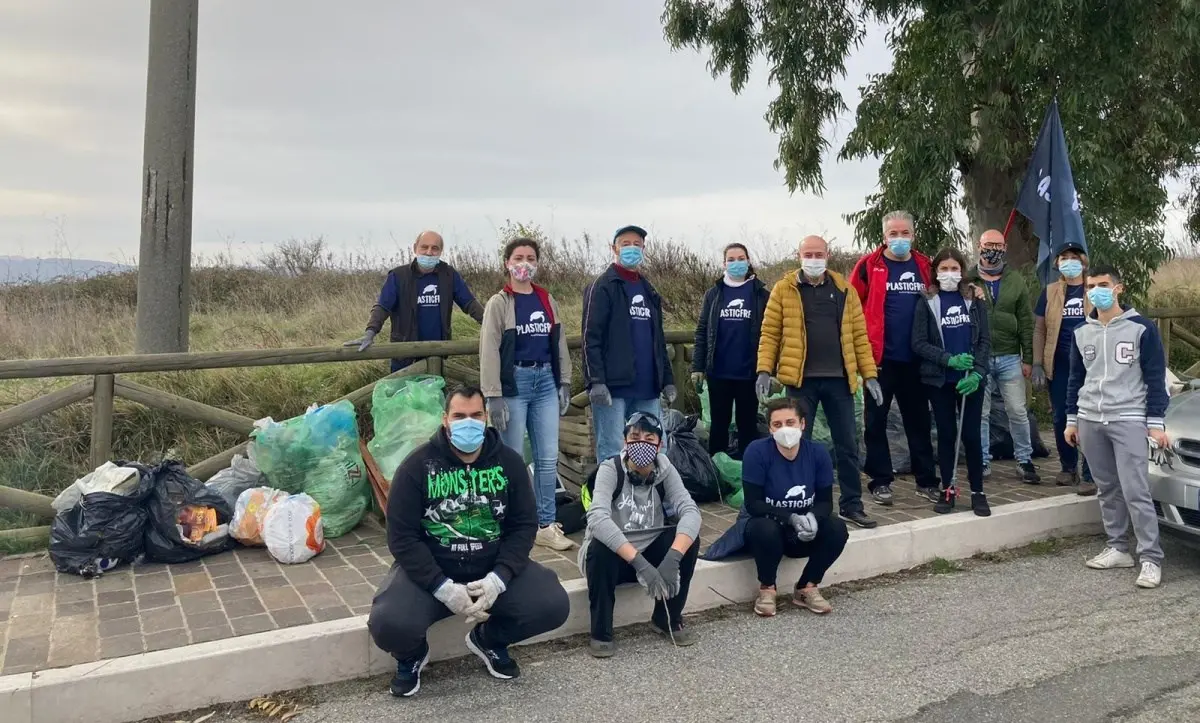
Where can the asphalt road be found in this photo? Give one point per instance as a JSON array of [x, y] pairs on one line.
[[1039, 638]]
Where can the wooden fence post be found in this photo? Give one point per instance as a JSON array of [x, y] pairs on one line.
[[435, 365], [102, 418], [1164, 330]]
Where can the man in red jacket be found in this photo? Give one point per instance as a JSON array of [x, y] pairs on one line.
[[890, 281]]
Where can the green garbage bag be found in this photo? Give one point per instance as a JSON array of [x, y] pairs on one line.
[[406, 412], [317, 454], [821, 431], [730, 471]]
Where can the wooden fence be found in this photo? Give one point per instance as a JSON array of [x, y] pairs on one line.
[[575, 438]]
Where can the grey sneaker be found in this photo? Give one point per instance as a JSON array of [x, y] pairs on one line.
[[883, 495], [987, 469], [1028, 473], [933, 494], [602, 648]]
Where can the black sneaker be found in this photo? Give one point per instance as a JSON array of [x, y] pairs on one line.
[[407, 680], [883, 495], [933, 494], [945, 502], [499, 663], [1028, 473], [979, 505], [858, 517]]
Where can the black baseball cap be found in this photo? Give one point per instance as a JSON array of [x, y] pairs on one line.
[[630, 229]]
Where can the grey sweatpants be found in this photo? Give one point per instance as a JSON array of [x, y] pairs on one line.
[[1119, 457]]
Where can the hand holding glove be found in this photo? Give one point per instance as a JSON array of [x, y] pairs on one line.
[[1038, 377], [875, 391], [600, 396], [698, 381], [762, 386], [961, 362], [454, 596], [670, 393], [497, 410], [485, 592], [649, 578], [805, 526], [564, 400], [969, 384], [668, 569], [364, 341]]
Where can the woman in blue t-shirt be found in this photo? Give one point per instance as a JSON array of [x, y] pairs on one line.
[[726, 350], [951, 337], [787, 485], [525, 374]]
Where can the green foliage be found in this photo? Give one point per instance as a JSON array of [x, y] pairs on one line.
[[965, 97]]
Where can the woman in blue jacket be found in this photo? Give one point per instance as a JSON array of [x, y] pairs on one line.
[[726, 349]]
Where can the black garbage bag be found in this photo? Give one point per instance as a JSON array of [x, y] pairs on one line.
[[103, 530], [171, 491], [1000, 441], [695, 467], [671, 420], [569, 512], [898, 440]]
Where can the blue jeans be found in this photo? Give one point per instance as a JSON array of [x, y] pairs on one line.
[[833, 395], [609, 423], [1006, 374], [535, 409]]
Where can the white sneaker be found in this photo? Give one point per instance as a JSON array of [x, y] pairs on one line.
[[553, 537], [1151, 575], [1110, 559]]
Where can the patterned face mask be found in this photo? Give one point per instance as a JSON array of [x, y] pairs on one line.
[[991, 258], [642, 454], [523, 271]]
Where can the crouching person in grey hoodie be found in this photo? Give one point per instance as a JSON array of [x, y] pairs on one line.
[[1116, 398], [643, 526]]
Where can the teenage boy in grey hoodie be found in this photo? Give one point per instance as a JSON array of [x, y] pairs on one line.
[[1116, 398], [642, 525]]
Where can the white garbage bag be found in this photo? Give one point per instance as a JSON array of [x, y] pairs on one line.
[[293, 530], [250, 512]]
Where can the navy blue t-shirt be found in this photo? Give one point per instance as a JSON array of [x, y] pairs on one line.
[[994, 288], [429, 308], [956, 328], [641, 333], [904, 289], [533, 329], [735, 355], [789, 485], [1072, 317]]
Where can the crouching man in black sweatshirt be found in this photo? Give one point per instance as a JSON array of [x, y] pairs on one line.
[[461, 521]]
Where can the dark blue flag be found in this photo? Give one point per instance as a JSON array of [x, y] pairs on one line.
[[1048, 197]]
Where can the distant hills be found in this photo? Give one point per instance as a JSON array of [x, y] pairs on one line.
[[21, 270]]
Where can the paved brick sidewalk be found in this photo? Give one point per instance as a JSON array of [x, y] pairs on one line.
[[49, 620]]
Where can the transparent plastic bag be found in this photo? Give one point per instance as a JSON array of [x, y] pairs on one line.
[[250, 510], [293, 529]]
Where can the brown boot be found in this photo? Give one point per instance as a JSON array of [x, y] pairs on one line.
[[1067, 479], [1086, 489]]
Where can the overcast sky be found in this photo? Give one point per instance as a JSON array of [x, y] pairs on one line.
[[367, 121]]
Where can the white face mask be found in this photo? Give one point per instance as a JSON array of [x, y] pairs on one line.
[[948, 280], [788, 437], [813, 267]]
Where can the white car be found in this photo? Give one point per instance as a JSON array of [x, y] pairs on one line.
[[1175, 484]]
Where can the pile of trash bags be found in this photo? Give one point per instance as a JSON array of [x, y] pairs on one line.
[[406, 413], [689, 457], [317, 454], [126, 512], [289, 526]]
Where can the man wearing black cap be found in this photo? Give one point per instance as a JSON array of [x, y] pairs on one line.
[[624, 351]]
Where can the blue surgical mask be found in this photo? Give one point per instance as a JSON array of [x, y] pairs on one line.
[[1101, 298], [630, 256], [900, 246], [737, 269], [428, 262], [1071, 268], [467, 434]]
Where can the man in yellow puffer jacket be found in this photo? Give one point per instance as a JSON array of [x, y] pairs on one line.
[[816, 304]]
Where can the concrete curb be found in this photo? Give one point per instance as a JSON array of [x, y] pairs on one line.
[[168, 681]]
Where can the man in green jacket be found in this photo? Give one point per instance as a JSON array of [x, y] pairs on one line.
[[1010, 317]]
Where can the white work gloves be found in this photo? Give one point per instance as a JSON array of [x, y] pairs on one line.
[[805, 526], [485, 592], [454, 596], [364, 341]]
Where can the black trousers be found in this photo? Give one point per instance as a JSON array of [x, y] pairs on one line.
[[946, 400], [605, 570], [769, 540], [534, 603], [900, 381], [833, 395], [723, 395]]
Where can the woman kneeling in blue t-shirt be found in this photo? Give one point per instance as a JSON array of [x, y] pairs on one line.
[[787, 483]]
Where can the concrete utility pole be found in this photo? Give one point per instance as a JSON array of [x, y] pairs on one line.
[[165, 254]]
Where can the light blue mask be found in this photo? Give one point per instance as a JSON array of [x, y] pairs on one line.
[[631, 257], [1071, 268], [900, 246], [1101, 297], [467, 434], [428, 262], [737, 269]]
